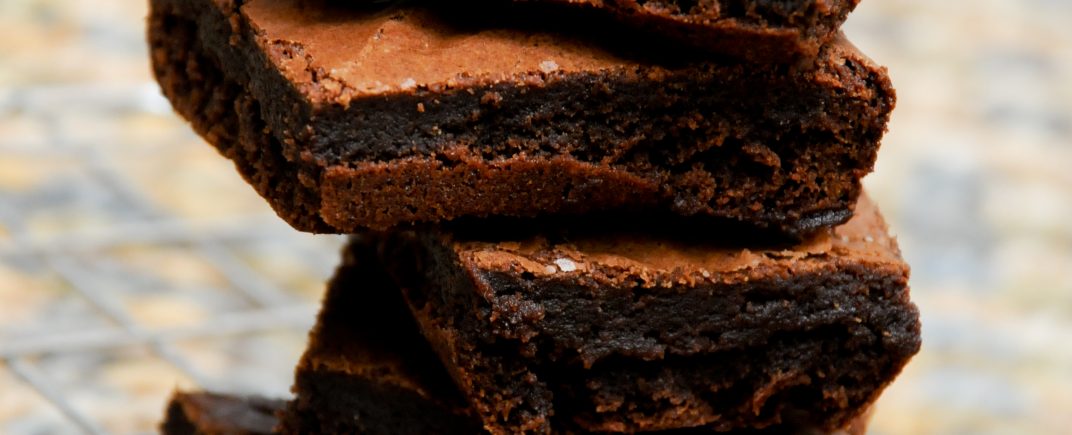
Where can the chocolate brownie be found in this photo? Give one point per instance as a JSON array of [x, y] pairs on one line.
[[368, 369], [218, 414], [758, 30], [189, 409], [347, 118], [639, 331]]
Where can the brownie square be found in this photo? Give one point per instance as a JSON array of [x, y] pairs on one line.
[[368, 368], [623, 331], [347, 118]]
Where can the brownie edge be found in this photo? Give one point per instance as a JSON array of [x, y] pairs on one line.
[[274, 90]]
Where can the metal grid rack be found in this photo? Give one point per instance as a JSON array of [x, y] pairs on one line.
[[103, 211]]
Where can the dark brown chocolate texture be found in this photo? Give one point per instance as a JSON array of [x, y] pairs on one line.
[[350, 118], [630, 332], [369, 370]]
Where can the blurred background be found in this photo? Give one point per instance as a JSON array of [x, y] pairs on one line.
[[134, 260]]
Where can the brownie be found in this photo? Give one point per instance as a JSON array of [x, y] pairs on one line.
[[757, 30], [188, 407], [206, 413], [368, 369], [624, 331], [349, 118]]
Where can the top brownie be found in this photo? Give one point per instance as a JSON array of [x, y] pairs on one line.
[[757, 30], [347, 118]]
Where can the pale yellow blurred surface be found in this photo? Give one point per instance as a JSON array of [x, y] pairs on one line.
[[133, 259]]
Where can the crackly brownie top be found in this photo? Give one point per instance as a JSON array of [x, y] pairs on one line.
[[666, 261], [339, 52], [372, 51]]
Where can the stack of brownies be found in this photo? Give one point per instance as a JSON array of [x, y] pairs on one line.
[[567, 216]]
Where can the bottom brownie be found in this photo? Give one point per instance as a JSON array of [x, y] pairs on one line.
[[217, 414], [630, 331], [205, 413], [368, 369]]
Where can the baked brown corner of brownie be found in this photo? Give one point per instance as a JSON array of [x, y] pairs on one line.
[[204, 413], [420, 114], [633, 332]]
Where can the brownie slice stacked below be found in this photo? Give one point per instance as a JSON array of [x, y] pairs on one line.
[[567, 216], [616, 331], [368, 368], [347, 118], [757, 30]]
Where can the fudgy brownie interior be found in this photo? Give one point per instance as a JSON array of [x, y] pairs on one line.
[[420, 115]]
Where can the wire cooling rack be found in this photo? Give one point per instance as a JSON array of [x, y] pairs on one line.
[[119, 283]]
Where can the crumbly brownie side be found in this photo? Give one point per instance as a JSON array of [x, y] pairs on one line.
[[203, 413], [367, 369], [222, 110], [589, 335], [590, 129]]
